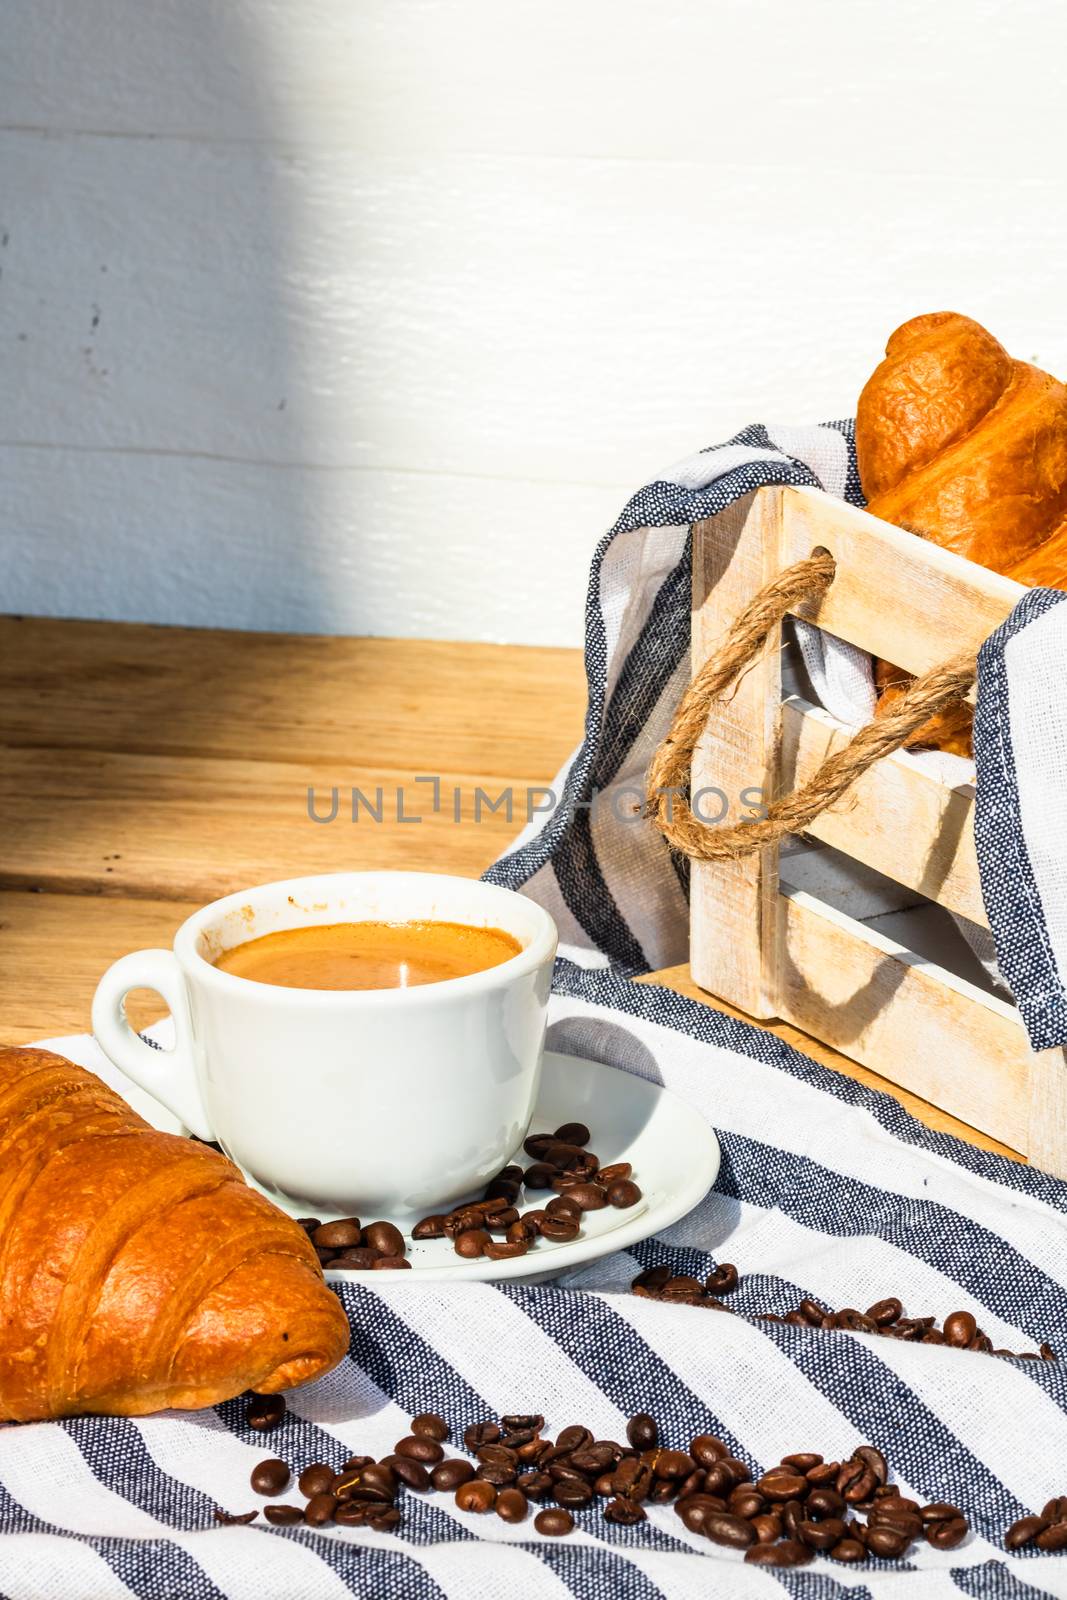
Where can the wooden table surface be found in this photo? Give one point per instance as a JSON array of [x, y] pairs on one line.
[[145, 770]]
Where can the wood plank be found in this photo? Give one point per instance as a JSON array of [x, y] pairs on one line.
[[733, 940], [897, 595], [896, 818], [165, 827], [681, 980], [916, 1024], [423, 705]]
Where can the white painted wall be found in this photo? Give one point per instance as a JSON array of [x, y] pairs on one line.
[[366, 315]]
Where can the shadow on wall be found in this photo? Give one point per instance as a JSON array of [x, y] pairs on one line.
[[156, 457]]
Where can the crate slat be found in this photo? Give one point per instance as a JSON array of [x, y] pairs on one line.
[[897, 819], [907, 1019], [894, 594]]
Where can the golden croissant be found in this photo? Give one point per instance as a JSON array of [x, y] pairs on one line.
[[137, 1269], [960, 443]]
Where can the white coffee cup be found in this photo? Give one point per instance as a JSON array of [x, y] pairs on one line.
[[364, 1102]]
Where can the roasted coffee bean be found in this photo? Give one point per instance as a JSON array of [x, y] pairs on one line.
[[573, 1493], [284, 1516], [501, 1454], [673, 1464], [632, 1479], [450, 1474], [564, 1157], [478, 1494], [534, 1452], [471, 1244], [718, 1479], [511, 1505], [503, 1189], [390, 1264], [790, 1553], [230, 1519], [854, 1321], [316, 1479], [781, 1486], [621, 1194], [559, 1229], [264, 1412], [642, 1432], [356, 1260], [428, 1425], [855, 1481], [662, 1492], [959, 1328], [270, 1477], [1024, 1532], [825, 1502], [561, 1468], [506, 1250], [562, 1206], [768, 1526], [885, 1312], [886, 1542], [722, 1280], [337, 1235], [906, 1523], [432, 1227], [530, 1222], [948, 1532], [534, 1485], [694, 1484], [706, 1449], [683, 1288], [464, 1221], [375, 1481], [848, 1550], [355, 1462], [723, 1528], [538, 1143], [554, 1522], [695, 1510], [385, 1237], [524, 1436], [500, 1221], [588, 1196], [520, 1421], [653, 1278], [417, 1447], [812, 1312], [614, 1172], [745, 1501], [822, 1535], [410, 1473], [480, 1433], [539, 1176], [802, 1461], [593, 1459], [1053, 1538], [500, 1473], [625, 1512], [1056, 1509], [573, 1133], [874, 1459], [320, 1510], [824, 1474]]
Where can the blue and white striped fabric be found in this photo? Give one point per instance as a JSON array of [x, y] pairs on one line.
[[826, 1189]]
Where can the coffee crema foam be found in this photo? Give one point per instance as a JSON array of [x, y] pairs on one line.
[[369, 955]]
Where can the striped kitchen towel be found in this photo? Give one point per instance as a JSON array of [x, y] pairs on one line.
[[826, 1189]]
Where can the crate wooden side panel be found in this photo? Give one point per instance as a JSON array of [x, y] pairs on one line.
[[894, 594], [897, 819], [911, 1022], [733, 933]]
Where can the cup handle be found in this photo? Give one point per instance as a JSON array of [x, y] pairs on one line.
[[169, 1075]]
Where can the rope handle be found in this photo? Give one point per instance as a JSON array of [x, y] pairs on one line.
[[668, 773]]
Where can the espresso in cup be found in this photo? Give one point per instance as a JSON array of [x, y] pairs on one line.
[[369, 955]]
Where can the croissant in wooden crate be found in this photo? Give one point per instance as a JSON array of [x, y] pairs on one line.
[[137, 1270], [960, 443]]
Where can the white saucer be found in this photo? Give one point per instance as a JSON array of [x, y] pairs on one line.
[[674, 1154]]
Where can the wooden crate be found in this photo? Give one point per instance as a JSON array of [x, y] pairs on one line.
[[776, 952]]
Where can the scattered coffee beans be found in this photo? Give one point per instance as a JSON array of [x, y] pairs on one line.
[[885, 1316], [1047, 1531]]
